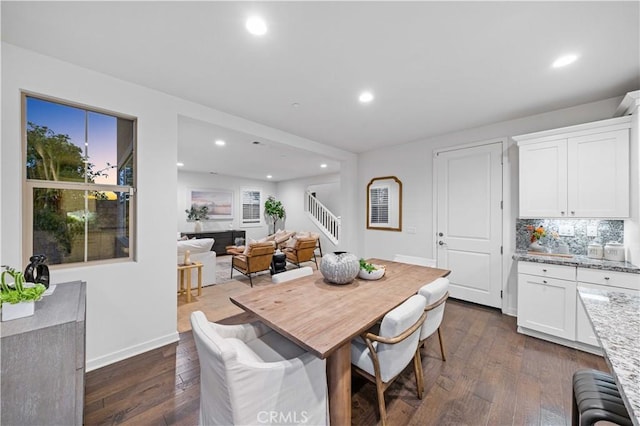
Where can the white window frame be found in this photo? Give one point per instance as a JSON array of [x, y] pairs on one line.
[[389, 196], [252, 223], [31, 184]]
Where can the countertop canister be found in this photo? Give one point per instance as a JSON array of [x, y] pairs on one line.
[[614, 250], [595, 251]]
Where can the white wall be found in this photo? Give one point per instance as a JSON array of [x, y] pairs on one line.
[[131, 306], [292, 195], [412, 164], [329, 195], [195, 180]]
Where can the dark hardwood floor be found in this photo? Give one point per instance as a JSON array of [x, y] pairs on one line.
[[492, 376]]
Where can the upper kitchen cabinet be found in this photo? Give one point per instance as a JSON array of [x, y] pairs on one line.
[[576, 172]]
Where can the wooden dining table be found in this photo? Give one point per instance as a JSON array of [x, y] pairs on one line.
[[323, 318]]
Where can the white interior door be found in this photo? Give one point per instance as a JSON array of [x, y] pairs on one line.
[[469, 221]]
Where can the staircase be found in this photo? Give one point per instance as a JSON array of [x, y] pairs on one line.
[[326, 221]]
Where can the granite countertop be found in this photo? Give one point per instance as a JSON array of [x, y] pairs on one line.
[[578, 260], [619, 336]]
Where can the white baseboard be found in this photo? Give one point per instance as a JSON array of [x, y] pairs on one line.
[[103, 361], [512, 312], [560, 341]]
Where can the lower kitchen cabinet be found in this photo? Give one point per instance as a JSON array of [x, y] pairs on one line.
[[547, 304], [601, 280], [584, 330]]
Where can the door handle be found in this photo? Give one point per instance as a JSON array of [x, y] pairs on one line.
[[442, 243]]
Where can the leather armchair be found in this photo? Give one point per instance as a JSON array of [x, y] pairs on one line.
[[257, 257], [304, 250]]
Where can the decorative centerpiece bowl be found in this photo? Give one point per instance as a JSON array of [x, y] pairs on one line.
[[376, 274], [339, 267]]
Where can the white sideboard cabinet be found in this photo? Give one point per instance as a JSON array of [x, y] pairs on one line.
[[577, 171]]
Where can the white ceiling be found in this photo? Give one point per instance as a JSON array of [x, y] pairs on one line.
[[434, 67]]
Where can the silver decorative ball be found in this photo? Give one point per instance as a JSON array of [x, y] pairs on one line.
[[340, 267]]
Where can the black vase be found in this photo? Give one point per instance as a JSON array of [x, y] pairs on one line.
[[37, 271]]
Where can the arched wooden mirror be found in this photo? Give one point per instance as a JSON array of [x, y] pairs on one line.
[[384, 204]]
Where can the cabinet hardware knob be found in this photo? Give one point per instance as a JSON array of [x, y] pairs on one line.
[[544, 281], [562, 213], [544, 270], [573, 212], [606, 278]]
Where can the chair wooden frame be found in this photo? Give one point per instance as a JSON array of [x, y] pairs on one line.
[[369, 338], [257, 259], [430, 308]]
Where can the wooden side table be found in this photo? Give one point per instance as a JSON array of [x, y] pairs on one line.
[[187, 288]]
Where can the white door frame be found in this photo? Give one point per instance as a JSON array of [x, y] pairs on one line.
[[507, 217]]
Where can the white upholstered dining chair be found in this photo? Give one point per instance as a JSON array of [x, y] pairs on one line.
[[291, 275], [436, 293], [249, 374], [381, 354]]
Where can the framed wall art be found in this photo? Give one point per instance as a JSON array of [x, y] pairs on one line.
[[219, 202]]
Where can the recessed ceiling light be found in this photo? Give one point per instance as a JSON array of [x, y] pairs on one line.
[[256, 26], [220, 142], [324, 166], [269, 176], [365, 97], [295, 105], [179, 164], [565, 60]]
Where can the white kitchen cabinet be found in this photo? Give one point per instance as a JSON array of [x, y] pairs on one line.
[[601, 280], [577, 171], [543, 179], [547, 300], [584, 329]]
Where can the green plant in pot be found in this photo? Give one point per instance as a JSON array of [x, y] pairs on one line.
[[274, 210], [14, 293], [197, 212]]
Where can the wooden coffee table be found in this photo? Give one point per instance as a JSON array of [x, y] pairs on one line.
[[186, 289]]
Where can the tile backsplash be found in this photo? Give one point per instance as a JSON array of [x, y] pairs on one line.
[[608, 230]]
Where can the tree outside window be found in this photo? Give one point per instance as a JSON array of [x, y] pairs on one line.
[[80, 175]]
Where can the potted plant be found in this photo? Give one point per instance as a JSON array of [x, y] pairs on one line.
[[197, 213], [371, 271], [17, 300], [274, 210]]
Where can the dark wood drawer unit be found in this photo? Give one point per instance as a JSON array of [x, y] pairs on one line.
[[222, 238], [43, 359]]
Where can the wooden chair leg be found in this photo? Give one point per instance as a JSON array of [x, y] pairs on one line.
[[381, 406], [444, 358], [417, 367], [231, 276], [250, 280]]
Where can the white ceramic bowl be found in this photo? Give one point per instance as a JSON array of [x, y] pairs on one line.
[[376, 274]]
